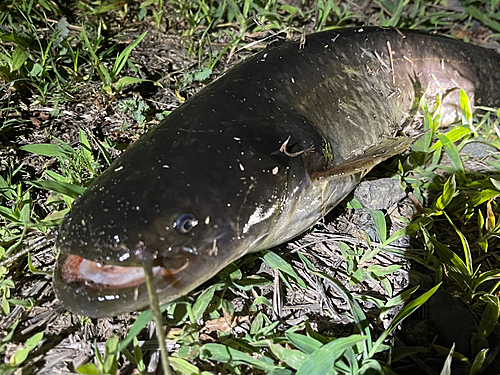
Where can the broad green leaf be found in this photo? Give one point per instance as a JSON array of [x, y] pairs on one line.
[[465, 246], [482, 196], [346, 250], [7, 283], [481, 17], [33, 341], [28, 304], [125, 81], [36, 71], [403, 297], [88, 369], [480, 220], [19, 356], [269, 328], [449, 191], [7, 369], [466, 109], [261, 300], [290, 9], [452, 152], [202, 75], [354, 204], [225, 354], [380, 271], [400, 352], [322, 359], [371, 364], [148, 3], [105, 76], [257, 324], [5, 306], [85, 147], [138, 357], [305, 343], [19, 57], [144, 318], [359, 275], [123, 56], [490, 316], [110, 363], [64, 188], [203, 301], [277, 262], [490, 218], [53, 219], [10, 332], [486, 276], [44, 149], [496, 183], [183, 366], [422, 144], [396, 14], [280, 371], [447, 364], [4, 59], [380, 224], [455, 134], [402, 315], [478, 362], [451, 260], [6, 190], [306, 261], [8, 214], [409, 230], [352, 365], [25, 213], [56, 176], [291, 357]]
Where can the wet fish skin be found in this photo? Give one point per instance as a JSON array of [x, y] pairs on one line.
[[255, 159]]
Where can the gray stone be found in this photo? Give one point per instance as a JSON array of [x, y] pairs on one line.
[[478, 149], [379, 194]]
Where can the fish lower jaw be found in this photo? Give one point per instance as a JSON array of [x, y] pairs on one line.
[[94, 275]]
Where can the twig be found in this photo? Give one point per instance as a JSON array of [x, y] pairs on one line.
[[392, 62], [261, 40], [70, 26]]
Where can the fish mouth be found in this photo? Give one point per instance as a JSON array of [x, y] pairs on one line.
[[78, 271]]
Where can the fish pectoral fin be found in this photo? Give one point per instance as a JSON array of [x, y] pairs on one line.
[[362, 164]]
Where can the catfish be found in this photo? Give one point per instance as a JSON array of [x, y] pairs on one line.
[[255, 159]]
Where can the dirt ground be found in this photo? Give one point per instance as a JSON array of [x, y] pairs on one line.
[[162, 58]]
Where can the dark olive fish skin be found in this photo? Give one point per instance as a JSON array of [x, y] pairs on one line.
[[254, 159]]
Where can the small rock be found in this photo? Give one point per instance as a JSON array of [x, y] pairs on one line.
[[478, 149], [379, 194]]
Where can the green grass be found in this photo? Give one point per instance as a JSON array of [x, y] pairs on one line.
[[47, 60]]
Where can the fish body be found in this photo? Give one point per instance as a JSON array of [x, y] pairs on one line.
[[255, 159]]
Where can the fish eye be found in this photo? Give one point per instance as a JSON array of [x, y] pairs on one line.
[[184, 223]]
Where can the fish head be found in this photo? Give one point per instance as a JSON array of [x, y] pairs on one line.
[[173, 203]]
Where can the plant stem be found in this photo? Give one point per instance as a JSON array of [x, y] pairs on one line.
[[155, 308]]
